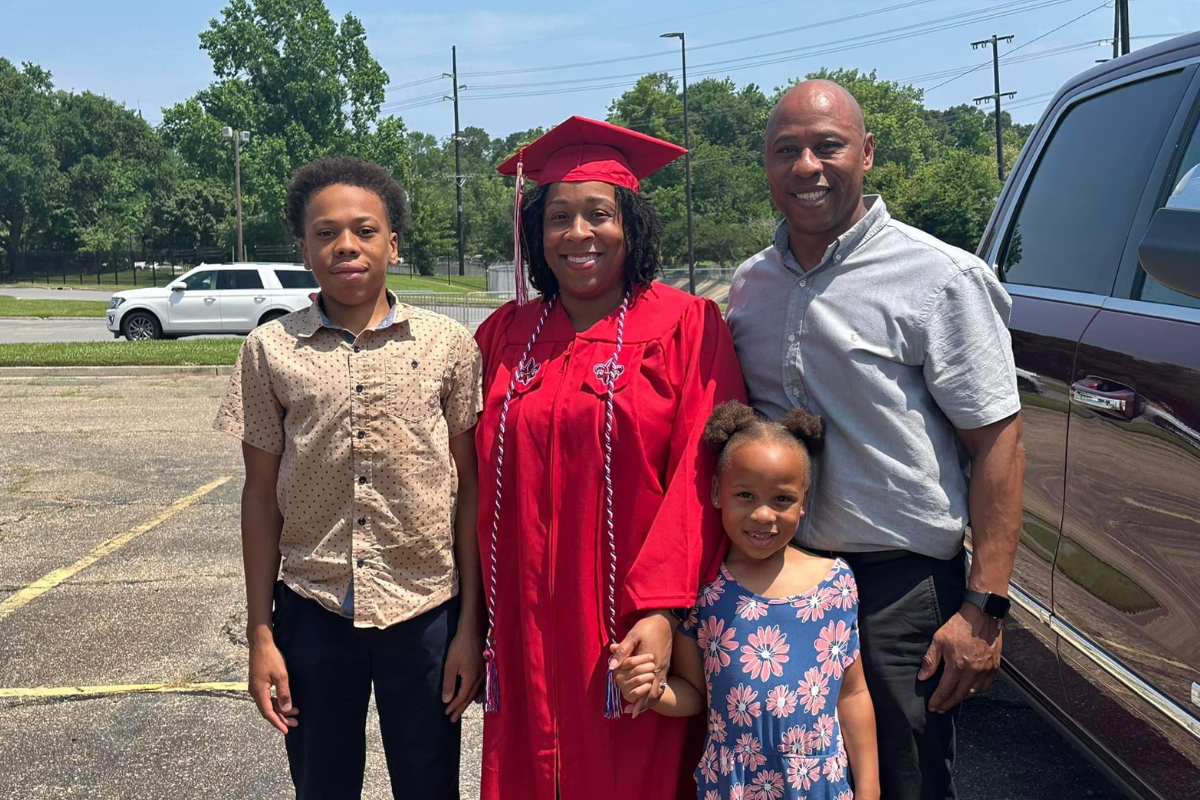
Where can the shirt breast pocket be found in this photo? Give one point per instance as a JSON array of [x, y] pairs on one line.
[[414, 391]]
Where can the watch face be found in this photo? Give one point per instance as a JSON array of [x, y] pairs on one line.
[[996, 606]]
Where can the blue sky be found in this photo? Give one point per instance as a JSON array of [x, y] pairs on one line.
[[145, 53]]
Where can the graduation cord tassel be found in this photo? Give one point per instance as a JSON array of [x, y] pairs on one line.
[[525, 371], [609, 371], [521, 288]]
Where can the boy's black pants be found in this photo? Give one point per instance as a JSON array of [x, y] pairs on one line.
[[331, 668]]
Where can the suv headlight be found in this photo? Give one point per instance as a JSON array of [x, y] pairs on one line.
[[115, 303]]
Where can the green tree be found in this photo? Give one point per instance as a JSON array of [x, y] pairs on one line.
[[952, 197], [303, 85], [29, 178]]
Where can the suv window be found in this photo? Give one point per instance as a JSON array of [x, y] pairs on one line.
[[1185, 193], [204, 281], [1078, 207], [239, 279], [296, 279]]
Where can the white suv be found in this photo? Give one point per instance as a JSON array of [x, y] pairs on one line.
[[212, 299]]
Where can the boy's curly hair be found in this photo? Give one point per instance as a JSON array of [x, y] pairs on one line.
[[643, 237], [732, 424], [351, 171]]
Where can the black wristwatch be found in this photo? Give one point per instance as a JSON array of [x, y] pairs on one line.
[[991, 604], [680, 614]]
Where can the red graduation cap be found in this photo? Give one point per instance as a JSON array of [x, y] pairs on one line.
[[578, 150], [583, 149]]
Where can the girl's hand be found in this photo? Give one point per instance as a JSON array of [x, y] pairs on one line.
[[652, 635], [635, 678]]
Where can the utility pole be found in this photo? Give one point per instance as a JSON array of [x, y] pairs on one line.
[[1123, 7], [995, 97], [1116, 30], [239, 138], [687, 161], [458, 178]]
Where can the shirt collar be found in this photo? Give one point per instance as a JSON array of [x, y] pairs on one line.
[[872, 222], [313, 318]]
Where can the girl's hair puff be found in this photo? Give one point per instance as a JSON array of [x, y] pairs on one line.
[[733, 423]]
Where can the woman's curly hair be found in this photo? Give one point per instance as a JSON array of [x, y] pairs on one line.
[[351, 171], [732, 424], [643, 237]]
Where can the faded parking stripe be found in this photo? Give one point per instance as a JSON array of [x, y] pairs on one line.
[[38, 692], [53, 579]]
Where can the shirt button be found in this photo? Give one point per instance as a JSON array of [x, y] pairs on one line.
[[359, 388], [795, 392], [837, 258], [360, 562], [362, 434], [362, 520], [357, 348], [792, 338], [362, 479]]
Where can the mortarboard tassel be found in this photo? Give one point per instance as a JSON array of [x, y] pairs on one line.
[[491, 692], [522, 290], [612, 697]]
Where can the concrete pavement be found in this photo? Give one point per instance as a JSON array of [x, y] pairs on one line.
[[14, 330], [51, 293]]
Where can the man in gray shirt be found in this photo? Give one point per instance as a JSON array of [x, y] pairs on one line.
[[900, 342]]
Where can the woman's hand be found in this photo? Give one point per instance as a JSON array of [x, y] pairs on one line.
[[652, 635]]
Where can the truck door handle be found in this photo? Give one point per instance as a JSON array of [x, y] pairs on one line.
[[259, 299], [209, 300], [1104, 396]]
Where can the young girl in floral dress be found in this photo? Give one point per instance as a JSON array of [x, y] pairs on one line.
[[771, 648]]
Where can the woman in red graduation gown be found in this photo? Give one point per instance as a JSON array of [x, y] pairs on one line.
[[595, 524]]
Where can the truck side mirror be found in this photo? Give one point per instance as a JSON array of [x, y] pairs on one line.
[[1170, 250]]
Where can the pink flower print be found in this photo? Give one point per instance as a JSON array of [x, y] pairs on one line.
[[845, 592], [795, 741], [833, 649], [737, 792], [716, 643], [725, 760], [742, 705], [708, 764], [765, 654], [834, 771], [814, 603], [802, 772], [841, 752], [813, 690], [716, 726], [823, 732], [749, 752], [781, 701], [712, 794], [693, 619], [750, 608], [846, 795], [768, 785], [711, 592]]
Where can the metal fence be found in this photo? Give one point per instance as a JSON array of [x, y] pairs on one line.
[[470, 309], [130, 268]]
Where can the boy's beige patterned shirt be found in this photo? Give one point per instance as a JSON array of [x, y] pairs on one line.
[[366, 482]]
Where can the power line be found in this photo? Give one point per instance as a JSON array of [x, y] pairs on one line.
[[838, 46], [1021, 47]]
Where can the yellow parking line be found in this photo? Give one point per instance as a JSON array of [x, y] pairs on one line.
[[48, 582], [40, 692]]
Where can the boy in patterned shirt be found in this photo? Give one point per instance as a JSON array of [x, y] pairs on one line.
[[357, 419]]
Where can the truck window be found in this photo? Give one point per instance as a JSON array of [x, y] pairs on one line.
[[1185, 193], [1077, 209]]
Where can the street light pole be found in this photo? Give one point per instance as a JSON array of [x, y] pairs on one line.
[[687, 161], [239, 138]]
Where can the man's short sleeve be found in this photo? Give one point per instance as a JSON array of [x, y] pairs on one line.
[[969, 366], [250, 410], [464, 400]]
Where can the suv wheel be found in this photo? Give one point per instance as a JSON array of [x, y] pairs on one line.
[[139, 326], [270, 315]]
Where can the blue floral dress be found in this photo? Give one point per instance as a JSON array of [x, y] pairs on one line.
[[773, 667]]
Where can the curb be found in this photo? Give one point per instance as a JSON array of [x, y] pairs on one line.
[[112, 372]]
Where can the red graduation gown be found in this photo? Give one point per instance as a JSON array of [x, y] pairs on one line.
[[551, 630]]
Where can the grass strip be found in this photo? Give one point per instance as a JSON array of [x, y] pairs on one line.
[[45, 309], [179, 352]]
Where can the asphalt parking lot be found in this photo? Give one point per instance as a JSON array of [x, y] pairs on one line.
[[122, 648]]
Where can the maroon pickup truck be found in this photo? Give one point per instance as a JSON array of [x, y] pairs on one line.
[[1097, 238]]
